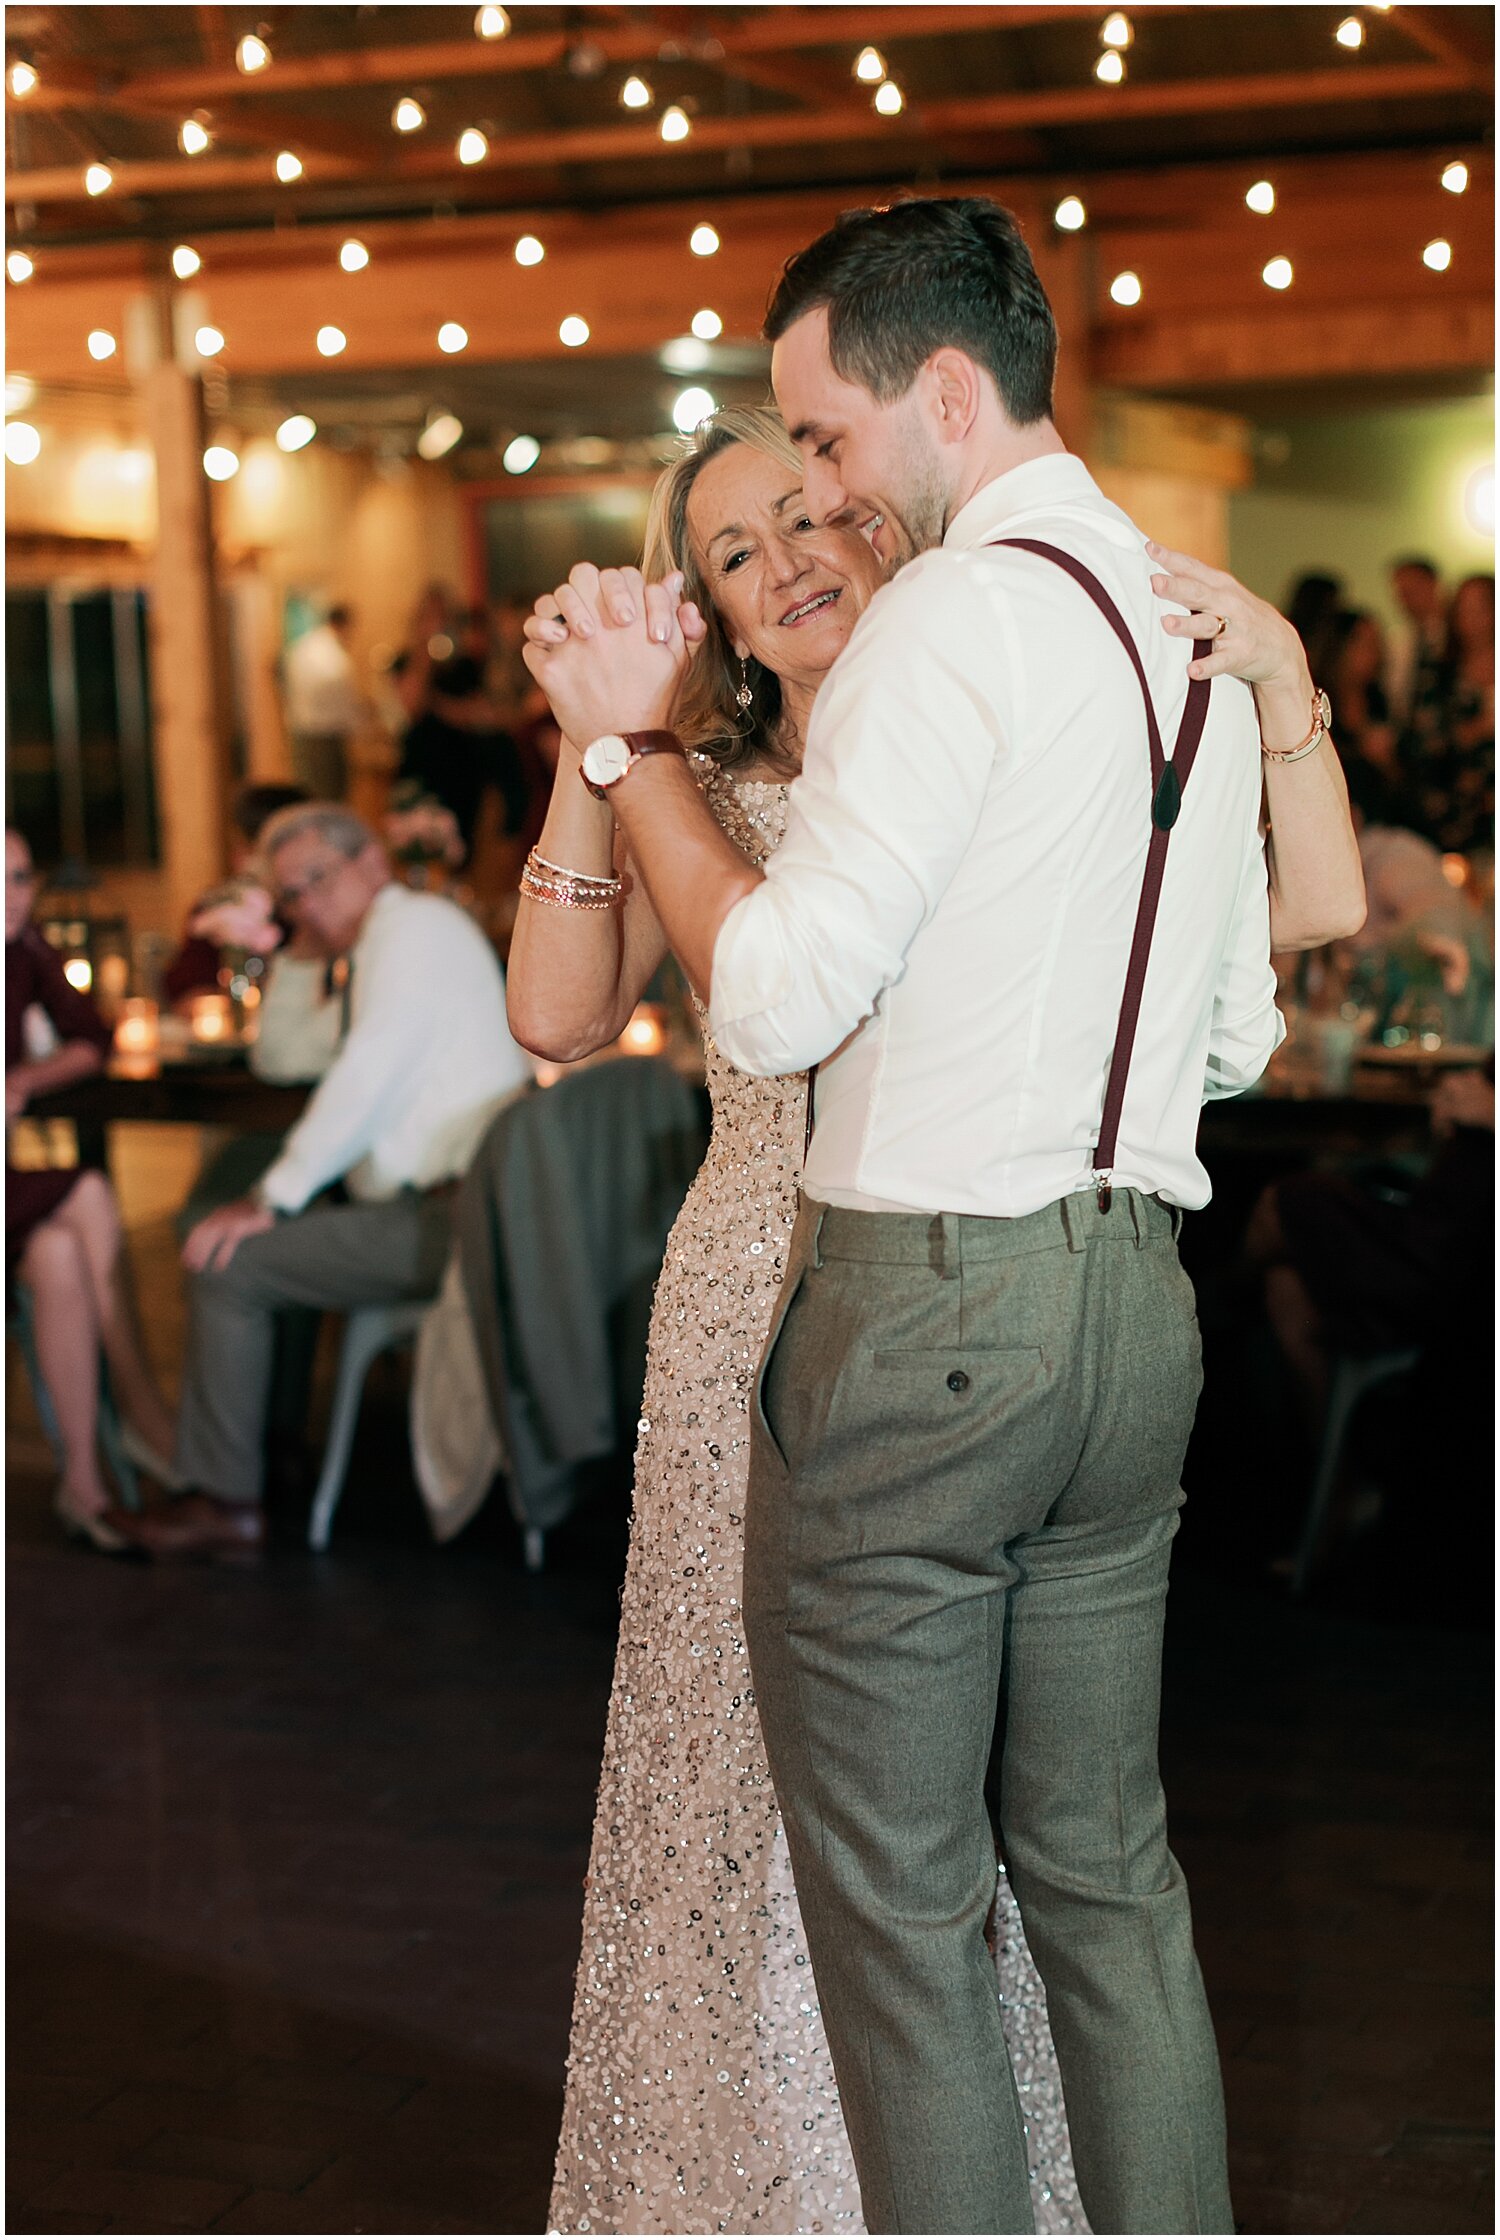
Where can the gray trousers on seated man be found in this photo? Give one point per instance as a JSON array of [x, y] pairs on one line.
[[967, 1443], [333, 1257]]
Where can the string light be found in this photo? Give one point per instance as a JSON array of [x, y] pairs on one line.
[[220, 464], [208, 342], [1117, 30], [869, 66], [520, 454], [636, 94], [331, 340], [23, 80], [1438, 255], [491, 23], [889, 99], [703, 241], [1261, 198], [1070, 214], [573, 333], [472, 146], [1456, 178], [1110, 67], [440, 435], [690, 406], [296, 433], [707, 325], [1278, 273], [192, 137], [98, 179], [408, 115], [20, 391], [529, 250], [252, 54], [186, 261], [675, 124], [452, 338], [288, 167], [22, 443], [19, 266], [1126, 288], [101, 344], [354, 256], [1350, 33]]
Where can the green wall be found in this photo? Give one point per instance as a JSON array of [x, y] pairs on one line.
[[1347, 493]]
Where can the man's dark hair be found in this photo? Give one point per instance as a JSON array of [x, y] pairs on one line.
[[254, 806], [1417, 560], [902, 282]]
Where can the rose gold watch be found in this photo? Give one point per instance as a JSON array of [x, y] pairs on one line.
[[606, 760]]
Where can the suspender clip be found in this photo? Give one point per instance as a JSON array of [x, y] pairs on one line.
[[1104, 1187]]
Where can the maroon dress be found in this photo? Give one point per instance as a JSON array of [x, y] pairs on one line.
[[34, 974]]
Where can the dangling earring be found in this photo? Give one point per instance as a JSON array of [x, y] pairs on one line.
[[744, 696]]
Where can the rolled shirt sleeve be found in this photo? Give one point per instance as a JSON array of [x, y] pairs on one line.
[[1247, 1029], [896, 770]]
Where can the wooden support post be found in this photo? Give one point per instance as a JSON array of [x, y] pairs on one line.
[[1061, 261], [187, 682]]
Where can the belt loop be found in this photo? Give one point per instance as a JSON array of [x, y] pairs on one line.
[[943, 1245], [1072, 1226], [815, 1241], [1137, 1206]]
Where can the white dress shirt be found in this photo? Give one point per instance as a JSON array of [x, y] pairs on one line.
[[322, 693], [950, 912], [427, 1061]]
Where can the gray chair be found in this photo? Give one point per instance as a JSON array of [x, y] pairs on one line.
[[368, 1332], [1354, 1375]]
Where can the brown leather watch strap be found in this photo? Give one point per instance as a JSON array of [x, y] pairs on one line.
[[653, 742]]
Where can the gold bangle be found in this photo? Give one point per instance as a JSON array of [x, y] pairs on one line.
[[565, 894], [562, 871]]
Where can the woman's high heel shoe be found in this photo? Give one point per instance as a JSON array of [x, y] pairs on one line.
[[88, 1524]]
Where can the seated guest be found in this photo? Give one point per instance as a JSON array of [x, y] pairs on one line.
[[196, 964], [395, 1120], [63, 1235]]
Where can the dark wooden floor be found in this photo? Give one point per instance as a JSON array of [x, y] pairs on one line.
[[296, 1854]]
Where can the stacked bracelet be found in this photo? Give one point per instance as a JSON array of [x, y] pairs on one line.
[[562, 889]]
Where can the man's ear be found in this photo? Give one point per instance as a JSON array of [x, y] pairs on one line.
[[954, 394]]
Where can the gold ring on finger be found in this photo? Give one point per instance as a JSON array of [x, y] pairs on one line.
[[1223, 626]]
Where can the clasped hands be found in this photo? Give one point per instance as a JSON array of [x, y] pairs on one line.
[[611, 650]]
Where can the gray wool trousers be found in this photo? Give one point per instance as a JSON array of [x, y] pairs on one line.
[[966, 1450]]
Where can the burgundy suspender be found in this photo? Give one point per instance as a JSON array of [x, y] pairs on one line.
[[1167, 782]]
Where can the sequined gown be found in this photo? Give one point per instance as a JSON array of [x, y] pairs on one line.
[[700, 2092]]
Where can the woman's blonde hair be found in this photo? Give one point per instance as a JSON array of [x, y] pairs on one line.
[[708, 714]]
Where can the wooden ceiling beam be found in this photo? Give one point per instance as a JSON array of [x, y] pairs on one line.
[[1001, 112], [1455, 42]]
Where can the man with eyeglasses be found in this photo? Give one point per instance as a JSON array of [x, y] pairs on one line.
[[396, 1119]]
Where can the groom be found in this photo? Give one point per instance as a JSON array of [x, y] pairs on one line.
[[969, 1425]]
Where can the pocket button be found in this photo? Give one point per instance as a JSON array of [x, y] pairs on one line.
[[957, 1381]]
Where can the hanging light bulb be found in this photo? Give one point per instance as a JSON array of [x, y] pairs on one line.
[[1350, 33], [331, 340], [220, 464], [22, 80], [707, 325], [675, 124], [869, 66], [1278, 273], [1261, 198], [354, 256], [1456, 178], [636, 94], [288, 167], [98, 179], [1126, 288], [520, 454], [703, 241], [889, 99], [472, 146], [252, 54], [690, 406], [573, 333], [192, 137], [491, 23], [1438, 255], [529, 250], [451, 337], [1070, 214], [440, 435], [101, 344], [208, 342], [294, 434], [408, 115], [19, 266], [22, 443], [186, 261], [1117, 30], [1110, 67]]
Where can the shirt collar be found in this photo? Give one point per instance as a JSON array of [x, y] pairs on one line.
[[1056, 478]]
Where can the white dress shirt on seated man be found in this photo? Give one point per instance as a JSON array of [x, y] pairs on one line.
[[427, 1060], [951, 909]]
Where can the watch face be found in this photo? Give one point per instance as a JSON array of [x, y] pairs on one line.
[[607, 759]]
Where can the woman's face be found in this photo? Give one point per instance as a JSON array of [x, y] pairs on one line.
[[788, 593], [20, 884], [1474, 612]]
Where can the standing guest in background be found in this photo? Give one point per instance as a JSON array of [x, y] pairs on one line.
[[324, 705], [1315, 601], [456, 750], [1468, 820], [395, 1119], [1361, 713], [1414, 669], [63, 1235], [196, 964]]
